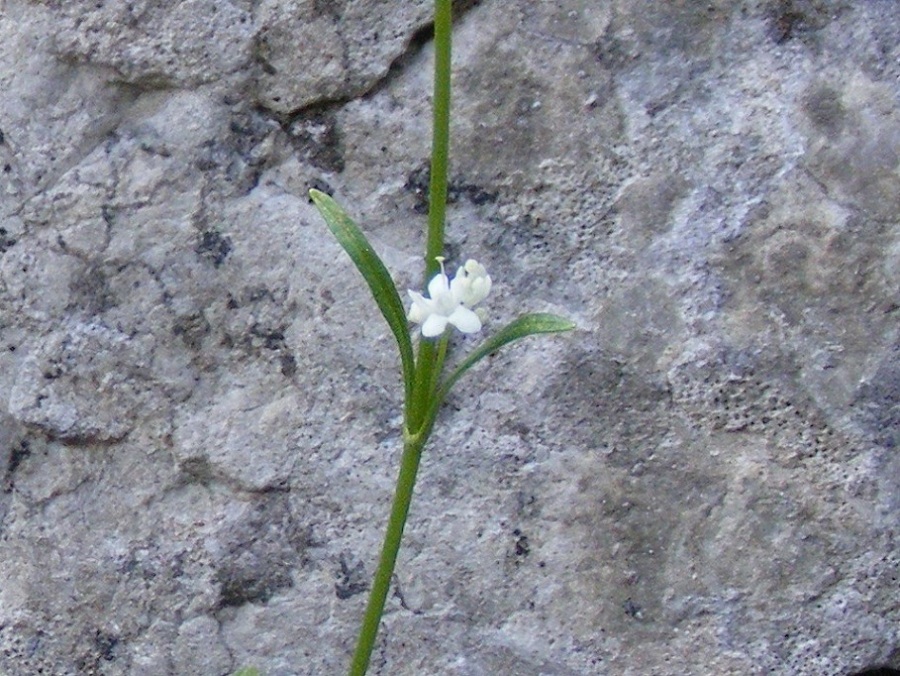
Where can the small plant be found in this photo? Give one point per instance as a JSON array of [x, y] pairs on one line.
[[450, 304], [246, 671]]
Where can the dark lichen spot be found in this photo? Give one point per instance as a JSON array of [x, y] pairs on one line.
[[328, 7], [213, 246], [91, 291], [417, 183], [632, 609], [610, 51], [877, 403], [783, 26], [316, 139], [790, 19], [18, 453], [53, 371], [260, 552], [351, 579], [475, 194], [105, 645], [6, 241], [108, 213], [273, 339], [825, 110], [251, 585], [288, 365], [522, 547], [321, 186], [191, 329]]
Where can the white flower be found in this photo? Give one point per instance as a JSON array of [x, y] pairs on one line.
[[451, 302], [471, 284]]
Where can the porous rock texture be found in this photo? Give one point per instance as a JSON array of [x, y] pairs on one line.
[[199, 429]]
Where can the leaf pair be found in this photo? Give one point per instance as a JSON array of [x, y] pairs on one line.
[[354, 242]]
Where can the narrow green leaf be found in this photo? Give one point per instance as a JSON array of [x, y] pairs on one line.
[[246, 671], [526, 325], [354, 242]]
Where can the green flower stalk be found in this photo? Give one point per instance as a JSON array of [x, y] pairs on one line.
[[449, 304]]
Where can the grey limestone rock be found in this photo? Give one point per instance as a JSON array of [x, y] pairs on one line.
[[199, 420]]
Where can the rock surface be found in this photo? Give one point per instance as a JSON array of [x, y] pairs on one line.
[[200, 412]]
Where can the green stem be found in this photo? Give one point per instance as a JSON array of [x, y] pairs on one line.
[[425, 384], [427, 359], [438, 364], [440, 139], [431, 354], [406, 481], [422, 379]]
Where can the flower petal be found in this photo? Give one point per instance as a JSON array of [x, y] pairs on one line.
[[434, 325], [420, 308], [438, 286], [465, 320], [459, 285], [471, 284]]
